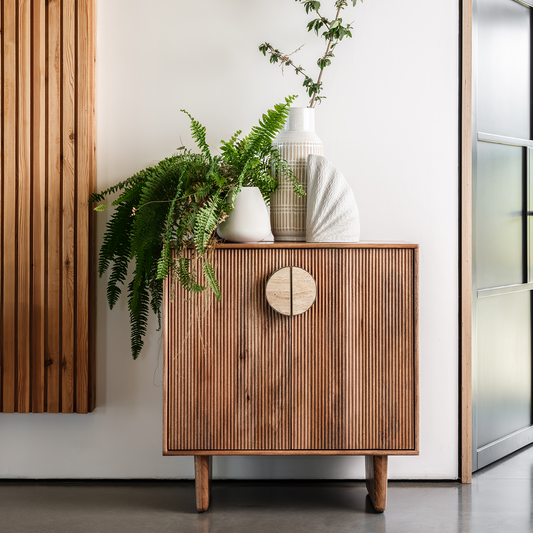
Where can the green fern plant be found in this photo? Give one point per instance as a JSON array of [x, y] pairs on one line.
[[164, 210]]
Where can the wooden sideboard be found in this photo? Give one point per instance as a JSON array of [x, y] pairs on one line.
[[339, 379]]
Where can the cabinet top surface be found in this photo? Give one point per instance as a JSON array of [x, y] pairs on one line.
[[303, 245]]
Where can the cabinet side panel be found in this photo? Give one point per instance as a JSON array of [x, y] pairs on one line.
[[354, 352]]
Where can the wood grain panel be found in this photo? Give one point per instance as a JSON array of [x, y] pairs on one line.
[[86, 183], [24, 200], [353, 352], [54, 204], [9, 208], [68, 168], [1, 197], [319, 245], [318, 355], [384, 347], [340, 378], [228, 361], [38, 241], [264, 366], [47, 171]]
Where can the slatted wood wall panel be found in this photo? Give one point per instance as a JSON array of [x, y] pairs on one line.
[[47, 167], [341, 376]]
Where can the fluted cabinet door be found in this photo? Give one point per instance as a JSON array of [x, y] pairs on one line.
[[228, 363], [47, 168], [353, 352]]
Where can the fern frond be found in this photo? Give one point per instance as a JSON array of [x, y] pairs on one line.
[[228, 149], [184, 274], [119, 273], [211, 279], [271, 123], [150, 221], [198, 134], [138, 304], [100, 196], [114, 245], [156, 300], [164, 264], [206, 222]]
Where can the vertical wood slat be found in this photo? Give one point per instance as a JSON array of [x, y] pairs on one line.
[[48, 171], [68, 160], [24, 197], [85, 184], [54, 200], [9, 251], [1, 196], [91, 68], [39, 205]]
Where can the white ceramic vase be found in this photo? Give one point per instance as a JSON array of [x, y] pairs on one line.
[[249, 221], [295, 142]]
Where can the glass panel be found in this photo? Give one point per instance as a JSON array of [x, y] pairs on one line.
[[504, 366], [499, 215], [504, 68]]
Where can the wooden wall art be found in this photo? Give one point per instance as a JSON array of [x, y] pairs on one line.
[[47, 166]]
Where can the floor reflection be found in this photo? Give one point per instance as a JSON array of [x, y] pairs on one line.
[[500, 497], [499, 500]]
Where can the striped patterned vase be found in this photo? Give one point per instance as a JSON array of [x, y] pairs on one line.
[[295, 142]]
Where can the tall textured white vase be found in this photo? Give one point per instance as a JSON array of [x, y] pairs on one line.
[[295, 142]]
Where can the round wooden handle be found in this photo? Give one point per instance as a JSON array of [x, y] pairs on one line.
[[291, 291]]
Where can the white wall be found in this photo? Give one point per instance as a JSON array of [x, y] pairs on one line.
[[390, 124]]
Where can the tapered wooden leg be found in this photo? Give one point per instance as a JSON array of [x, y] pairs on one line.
[[376, 480], [202, 481]]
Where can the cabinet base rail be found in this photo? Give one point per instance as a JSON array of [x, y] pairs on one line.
[[376, 480]]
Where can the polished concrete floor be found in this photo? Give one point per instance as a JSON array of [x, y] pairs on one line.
[[499, 500]]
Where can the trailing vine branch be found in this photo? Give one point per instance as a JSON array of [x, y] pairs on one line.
[[334, 32]]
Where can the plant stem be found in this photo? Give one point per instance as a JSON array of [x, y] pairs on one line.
[[312, 104], [324, 20]]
